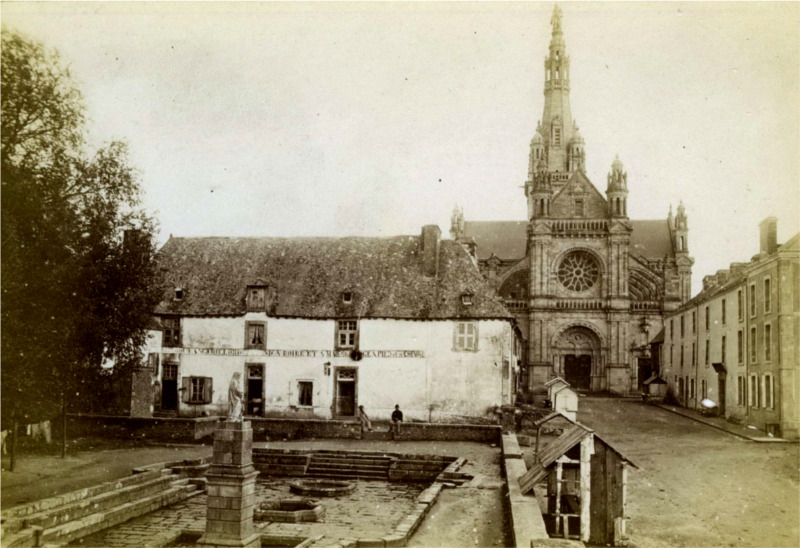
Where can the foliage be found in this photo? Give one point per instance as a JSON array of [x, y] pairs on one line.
[[77, 270]]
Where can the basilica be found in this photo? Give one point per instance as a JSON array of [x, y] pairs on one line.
[[589, 286]]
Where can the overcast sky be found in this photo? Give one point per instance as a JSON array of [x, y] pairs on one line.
[[373, 119]]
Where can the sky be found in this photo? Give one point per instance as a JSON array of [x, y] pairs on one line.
[[374, 119]]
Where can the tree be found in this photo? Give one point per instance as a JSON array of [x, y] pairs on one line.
[[78, 271]]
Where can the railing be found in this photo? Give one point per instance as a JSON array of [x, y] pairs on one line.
[[579, 304], [646, 305], [516, 304], [580, 226]]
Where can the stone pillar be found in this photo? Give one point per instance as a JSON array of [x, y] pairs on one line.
[[231, 489]]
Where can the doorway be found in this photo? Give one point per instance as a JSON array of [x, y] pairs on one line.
[[345, 392], [645, 371], [254, 390], [578, 371], [169, 387], [721, 397]]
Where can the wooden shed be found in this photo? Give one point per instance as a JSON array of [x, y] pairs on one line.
[[586, 487], [563, 398]]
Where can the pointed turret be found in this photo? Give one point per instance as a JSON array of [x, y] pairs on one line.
[[617, 190], [457, 223]]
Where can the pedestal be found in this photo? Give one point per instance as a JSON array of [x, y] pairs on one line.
[[231, 489]]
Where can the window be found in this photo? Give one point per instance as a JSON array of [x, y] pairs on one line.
[[752, 344], [740, 346], [694, 321], [579, 210], [722, 348], [152, 362], [752, 392], [178, 294], [767, 343], [466, 299], [305, 393], [739, 305], [556, 135], [255, 336], [740, 390], [752, 300], [256, 299], [708, 358], [682, 322], [767, 381], [346, 333], [723, 312], [703, 390], [172, 332], [681, 356], [694, 353], [672, 326], [197, 390], [708, 319], [691, 388], [672, 354], [767, 296], [466, 336], [347, 297]]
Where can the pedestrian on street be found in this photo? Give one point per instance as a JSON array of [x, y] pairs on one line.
[[397, 418], [364, 418]]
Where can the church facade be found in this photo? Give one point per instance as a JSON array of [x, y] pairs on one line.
[[588, 285]]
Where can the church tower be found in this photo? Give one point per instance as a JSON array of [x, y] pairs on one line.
[[564, 154]]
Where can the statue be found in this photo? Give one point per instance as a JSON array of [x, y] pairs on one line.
[[235, 399]]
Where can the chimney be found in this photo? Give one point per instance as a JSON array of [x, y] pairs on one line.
[[430, 249], [769, 235], [722, 276], [737, 268], [709, 281]]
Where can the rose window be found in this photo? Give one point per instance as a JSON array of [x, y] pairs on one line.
[[578, 271]]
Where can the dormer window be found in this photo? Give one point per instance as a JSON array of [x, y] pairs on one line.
[[178, 293], [466, 299], [347, 297], [256, 299]]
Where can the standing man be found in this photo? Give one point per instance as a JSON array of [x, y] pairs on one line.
[[235, 398], [397, 418]]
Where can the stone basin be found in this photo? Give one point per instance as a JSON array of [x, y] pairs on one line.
[[321, 488], [289, 511]]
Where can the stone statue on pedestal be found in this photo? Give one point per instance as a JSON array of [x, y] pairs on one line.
[[235, 399]]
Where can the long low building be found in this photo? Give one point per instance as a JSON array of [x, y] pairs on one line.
[[737, 343], [318, 326]]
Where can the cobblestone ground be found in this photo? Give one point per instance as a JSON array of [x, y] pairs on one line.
[[373, 509]]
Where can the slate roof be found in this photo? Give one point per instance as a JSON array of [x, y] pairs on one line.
[[506, 239], [310, 274]]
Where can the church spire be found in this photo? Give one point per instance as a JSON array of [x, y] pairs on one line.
[[558, 127]]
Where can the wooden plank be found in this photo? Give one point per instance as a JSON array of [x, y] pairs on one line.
[[597, 531], [587, 449]]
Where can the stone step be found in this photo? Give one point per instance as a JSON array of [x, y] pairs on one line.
[[80, 494], [346, 460], [353, 469], [92, 523], [98, 503], [334, 474], [349, 465]]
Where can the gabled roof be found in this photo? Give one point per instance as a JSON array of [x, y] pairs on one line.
[[309, 275], [507, 239], [562, 203]]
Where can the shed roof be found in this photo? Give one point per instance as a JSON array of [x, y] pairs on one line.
[[309, 275]]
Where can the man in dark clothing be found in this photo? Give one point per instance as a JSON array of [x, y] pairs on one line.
[[397, 418]]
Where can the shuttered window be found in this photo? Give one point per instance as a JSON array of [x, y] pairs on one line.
[[197, 390], [466, 337]]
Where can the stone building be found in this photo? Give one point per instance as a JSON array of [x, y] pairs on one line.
[[588, 285], [737, 342], [318, 326]]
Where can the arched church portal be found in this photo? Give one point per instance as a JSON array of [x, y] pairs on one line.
[[577, 355]]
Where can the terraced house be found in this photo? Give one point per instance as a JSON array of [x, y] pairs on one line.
[[588, 285], [318, 326], [737, 343]]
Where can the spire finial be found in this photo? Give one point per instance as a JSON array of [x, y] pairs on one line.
[[555, 20]]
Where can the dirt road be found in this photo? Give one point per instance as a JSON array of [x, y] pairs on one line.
[[698, 486]]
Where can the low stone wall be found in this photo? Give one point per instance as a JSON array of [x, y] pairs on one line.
[[192, 429], [160, 429], [527, 522]]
